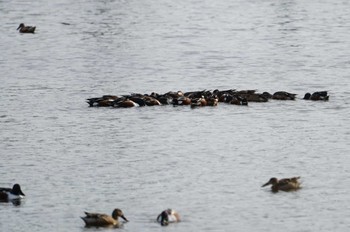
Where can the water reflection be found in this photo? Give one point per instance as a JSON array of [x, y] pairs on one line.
[[15, 202]]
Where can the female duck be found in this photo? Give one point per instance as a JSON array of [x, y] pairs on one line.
[[286, 184], [104, 220], [25, 29], [168, 216]]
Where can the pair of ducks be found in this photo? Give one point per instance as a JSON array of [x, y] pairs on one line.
[[104, 220]]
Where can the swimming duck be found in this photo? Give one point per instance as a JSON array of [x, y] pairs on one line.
[[104, 220], [255, 97], [124, 103], [282, 95], [267, 95], [196, 102], [238, 100], [8, 194], [151, 101], [168, 216], [25, 29], [212, 101], [104, 101], [286, 184], [181, 101], [317, 96]]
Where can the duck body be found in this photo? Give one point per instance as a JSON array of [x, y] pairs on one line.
[[25, 29], [168, 216], [282, 95], [103, 220], [317, 96], [286, 184], [9, 194], [104, 101]]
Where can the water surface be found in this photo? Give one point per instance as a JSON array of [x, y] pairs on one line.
[[207, 163]]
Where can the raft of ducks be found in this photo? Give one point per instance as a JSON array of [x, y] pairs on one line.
[[164, 218], [198, 98]]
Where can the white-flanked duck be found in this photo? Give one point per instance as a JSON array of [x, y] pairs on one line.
[[9, 194], [168, 216]]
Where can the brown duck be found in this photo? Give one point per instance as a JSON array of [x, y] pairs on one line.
[[286, 184], [104, 220], [25, 29]]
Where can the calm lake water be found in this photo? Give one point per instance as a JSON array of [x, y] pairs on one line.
[[207, 163]]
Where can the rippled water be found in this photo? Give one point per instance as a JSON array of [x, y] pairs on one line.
[[207, 163]]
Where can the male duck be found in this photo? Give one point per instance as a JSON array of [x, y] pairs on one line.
[[8, 194], [317, 96], [286, 184], [104, 220], [168, 216], [25, 29]]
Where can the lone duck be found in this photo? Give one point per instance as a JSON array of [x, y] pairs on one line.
[[104, 220], [168, 216], [317, 96], [25, 29], [8, 194], [286, 184]]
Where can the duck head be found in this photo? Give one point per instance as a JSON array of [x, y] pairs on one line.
[[272, 181], [20, 26], [118, 213], [16, 190], [307, 96]]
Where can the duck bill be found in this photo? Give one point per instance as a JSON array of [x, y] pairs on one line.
[[18, 27], [124, 218], [265, 184], [21, 193]]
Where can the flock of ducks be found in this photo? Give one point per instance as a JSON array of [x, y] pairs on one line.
[[198, 98], [164, 218]]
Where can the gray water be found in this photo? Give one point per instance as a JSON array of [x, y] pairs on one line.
[[207, 163]]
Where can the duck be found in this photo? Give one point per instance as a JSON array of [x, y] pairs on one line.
[[238, 100], [195, 102], [317, 96], [124, 103], [181, 101], [168, 216], [286, 184], [283, 95], [212, 101], [104, 101], [104, 220], [9, 194], [255, 97], [267, 95], [25, 29], [151, 101]]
